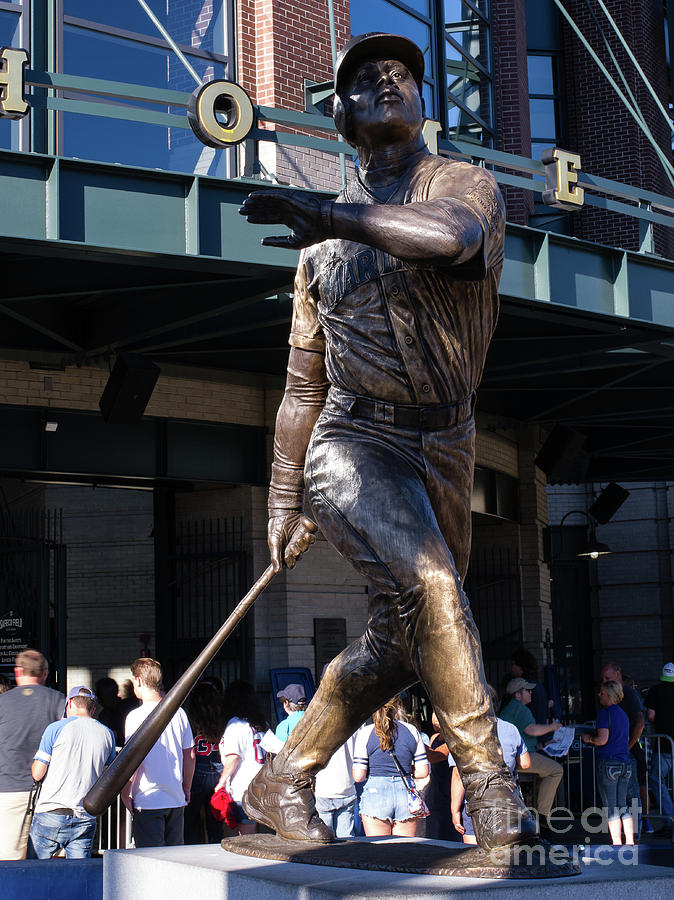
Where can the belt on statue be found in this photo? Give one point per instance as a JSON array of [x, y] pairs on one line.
[[426, 418]]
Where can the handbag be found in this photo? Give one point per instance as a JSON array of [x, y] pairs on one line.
[[224, 808], [415, 802]]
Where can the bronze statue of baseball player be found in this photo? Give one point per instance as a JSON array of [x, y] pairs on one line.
[[395, 304]]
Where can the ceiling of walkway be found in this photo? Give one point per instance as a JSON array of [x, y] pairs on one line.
[[606, 377]]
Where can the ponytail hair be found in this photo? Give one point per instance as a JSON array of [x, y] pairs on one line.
[[385, 724]]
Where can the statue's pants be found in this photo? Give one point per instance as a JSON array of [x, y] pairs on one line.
[[396, 503]]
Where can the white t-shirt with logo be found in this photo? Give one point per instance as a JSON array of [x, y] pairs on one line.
[[241, 739], [159, 780]]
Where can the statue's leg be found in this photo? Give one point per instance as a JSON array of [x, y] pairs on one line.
[[396, 503], [358, 681]]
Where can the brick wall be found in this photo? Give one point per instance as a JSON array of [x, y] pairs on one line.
[[178, 397], [600, 128], [110, 578], [511, 95], [633, 598], [282, 43]]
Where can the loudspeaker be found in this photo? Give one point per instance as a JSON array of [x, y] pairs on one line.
[[562, 458], [608, 502], [129, 389]]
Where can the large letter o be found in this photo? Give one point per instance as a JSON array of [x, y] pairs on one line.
[[203, 106]]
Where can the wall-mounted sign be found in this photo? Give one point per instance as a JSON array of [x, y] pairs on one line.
[[14, 636], [221, 114], [561, 173], [215, 100], [12, 65]]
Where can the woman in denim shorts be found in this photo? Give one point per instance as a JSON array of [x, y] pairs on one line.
[[384, 805], [613, 761]]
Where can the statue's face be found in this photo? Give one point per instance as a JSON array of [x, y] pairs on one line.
[[384, 103]]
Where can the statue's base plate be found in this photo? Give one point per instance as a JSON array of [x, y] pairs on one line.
[[535, 860]]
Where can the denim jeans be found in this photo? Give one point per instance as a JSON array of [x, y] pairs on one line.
[[613, 779], [203, 785], [338, 813], [50, 832], [657, 782]]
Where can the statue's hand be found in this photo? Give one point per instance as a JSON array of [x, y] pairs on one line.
[[306, 216], [288, 536]]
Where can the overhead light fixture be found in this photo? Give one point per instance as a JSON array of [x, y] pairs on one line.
[[594, 548], [51, 426]]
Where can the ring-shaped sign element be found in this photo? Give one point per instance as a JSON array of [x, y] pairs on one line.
[[210, 98]]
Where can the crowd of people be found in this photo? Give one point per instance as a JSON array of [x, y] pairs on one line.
[[389, 778]]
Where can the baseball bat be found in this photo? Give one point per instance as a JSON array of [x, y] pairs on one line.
[[140, 743]]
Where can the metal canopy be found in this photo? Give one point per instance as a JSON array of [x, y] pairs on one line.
[[98, 258]]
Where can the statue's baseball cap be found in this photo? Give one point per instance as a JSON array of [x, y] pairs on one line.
[[378, 45], [667, 672], [519, 684]]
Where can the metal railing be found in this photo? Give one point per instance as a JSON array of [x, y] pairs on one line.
[[648, 207], [578, 791], [113, 831]]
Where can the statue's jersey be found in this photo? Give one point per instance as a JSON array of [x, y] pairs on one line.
[[409, 332]]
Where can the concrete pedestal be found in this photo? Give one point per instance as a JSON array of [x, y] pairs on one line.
[[174, 873]]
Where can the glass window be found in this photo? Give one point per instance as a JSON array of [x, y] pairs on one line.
[[133, 143], [540, 75], [544, 103], [468, 66], [192, 23], [9, 37], [140, 56], [369, 15], [543, 119]]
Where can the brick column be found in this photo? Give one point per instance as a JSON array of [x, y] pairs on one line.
[[511, 95], [535, 573]]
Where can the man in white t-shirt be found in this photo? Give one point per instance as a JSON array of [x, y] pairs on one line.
[[159, 790]]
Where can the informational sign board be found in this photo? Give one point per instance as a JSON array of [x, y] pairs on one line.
[[329, 640]]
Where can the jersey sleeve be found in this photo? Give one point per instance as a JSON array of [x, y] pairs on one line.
[[188, 737], [230, 743], [474, 194], [49, 735], [305, 332], [360, 755], [420, 748]]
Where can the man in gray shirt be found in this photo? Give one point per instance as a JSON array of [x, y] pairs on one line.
[[25, 712]]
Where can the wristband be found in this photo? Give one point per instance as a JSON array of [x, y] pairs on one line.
[[326, 216], [286, 490]]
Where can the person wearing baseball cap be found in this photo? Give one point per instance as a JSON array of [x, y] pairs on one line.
[[72, 754], [660, 713], [294, 699], [516, 711], [395, 274]]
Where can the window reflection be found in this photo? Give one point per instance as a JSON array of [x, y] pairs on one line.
[[544, 100], [118, 42]]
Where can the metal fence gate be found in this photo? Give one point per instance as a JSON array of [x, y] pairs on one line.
[[493, 589], [33, 588], [208, 576]]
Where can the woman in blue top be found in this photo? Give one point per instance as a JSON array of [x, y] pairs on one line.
[[613, 761], [383, 806]]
